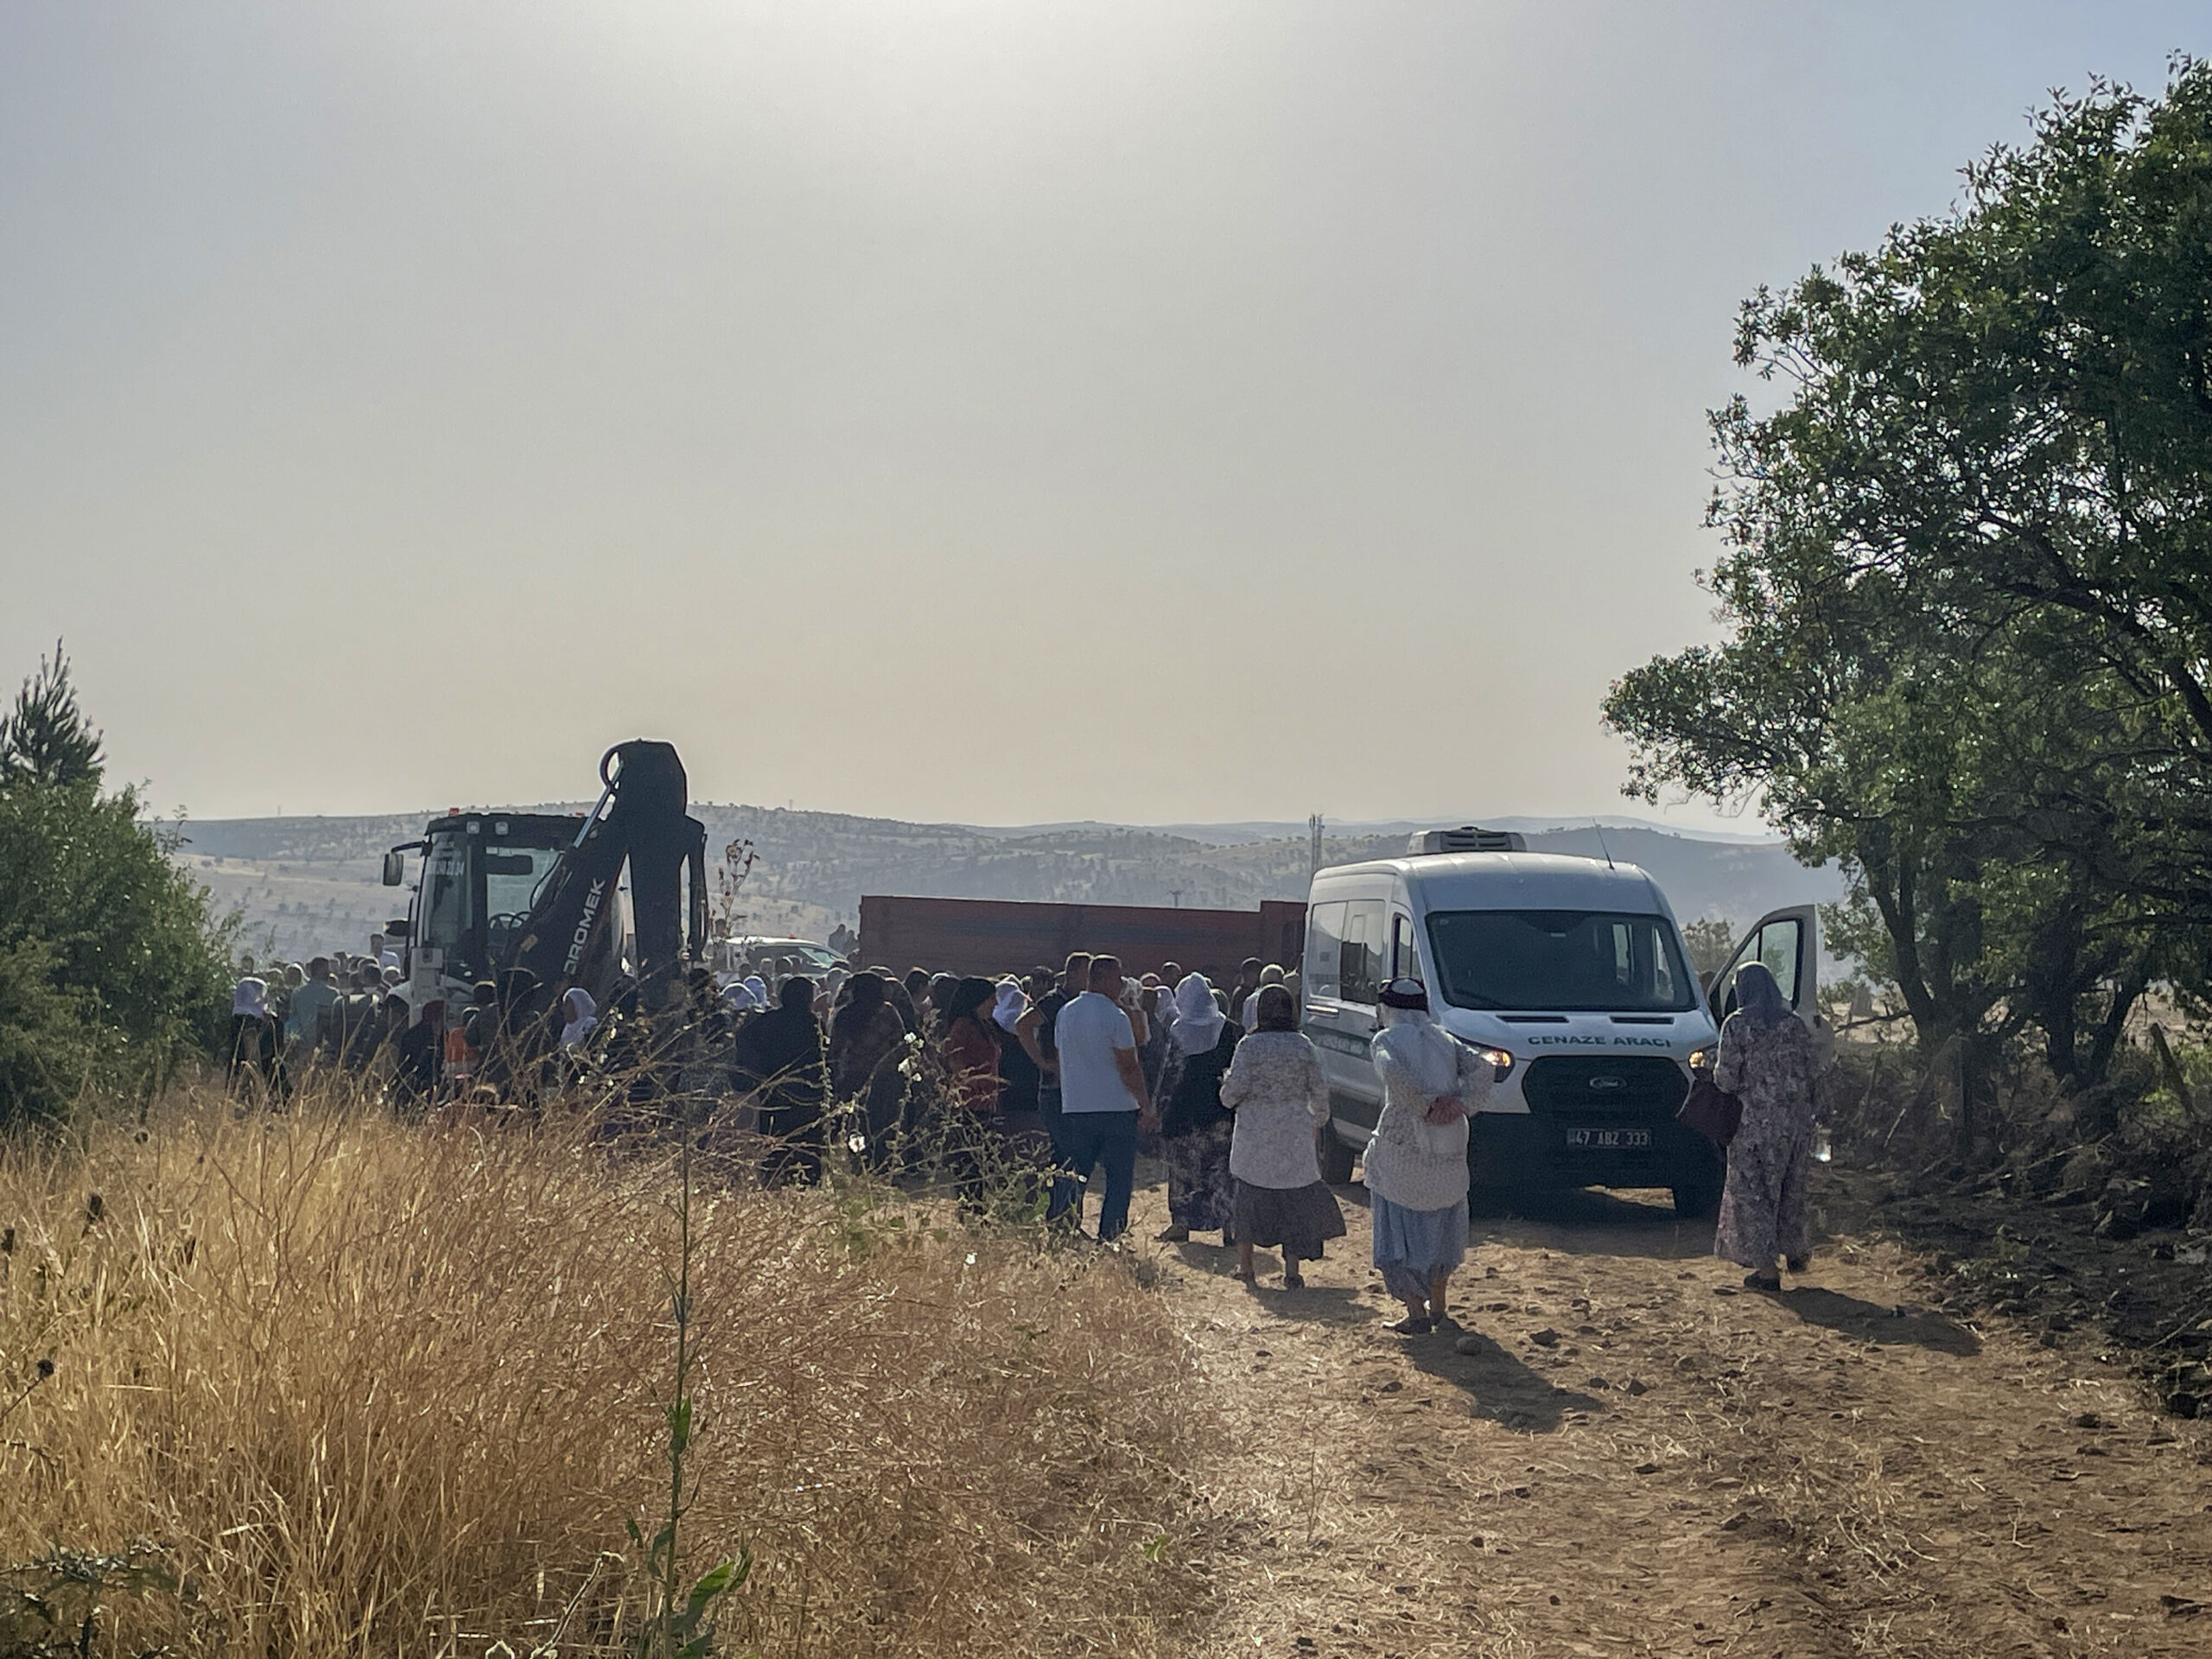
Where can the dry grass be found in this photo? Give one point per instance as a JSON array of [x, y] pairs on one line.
[[365, 1388]]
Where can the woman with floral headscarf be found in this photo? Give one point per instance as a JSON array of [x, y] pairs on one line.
[[1281, 1097], [1195, 1128], [1417, 1160], [1767, 1061]]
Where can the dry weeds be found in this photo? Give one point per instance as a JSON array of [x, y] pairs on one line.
[[354, 1387]]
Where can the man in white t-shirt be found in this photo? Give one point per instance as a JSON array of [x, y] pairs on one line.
[[1103, 1100]]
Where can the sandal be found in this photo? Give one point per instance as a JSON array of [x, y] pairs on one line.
[[1178, 1234], [1293, 1281], [1410, 1327], [1761, 1281]]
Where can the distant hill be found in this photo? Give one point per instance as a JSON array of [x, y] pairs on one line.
[[311, 883]]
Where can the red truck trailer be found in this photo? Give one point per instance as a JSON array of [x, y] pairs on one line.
[[993, 935]]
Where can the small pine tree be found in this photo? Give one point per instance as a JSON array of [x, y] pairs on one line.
[[111, 971], [45, 737]]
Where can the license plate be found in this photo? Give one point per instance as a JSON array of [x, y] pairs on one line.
[[1609, 1139]]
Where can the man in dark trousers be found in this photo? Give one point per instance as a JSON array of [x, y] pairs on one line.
[[1103, 1100]]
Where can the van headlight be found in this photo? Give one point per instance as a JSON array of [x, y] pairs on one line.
[[1498, 1057], [1701, 1059]]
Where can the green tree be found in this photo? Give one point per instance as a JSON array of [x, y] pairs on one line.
[[45, 737], [2008, 412], [1969, 582], [1709, 940], [1855, 732], [111, 971], [48, 1054]]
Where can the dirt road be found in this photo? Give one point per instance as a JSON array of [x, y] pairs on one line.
[[1620, 1451]]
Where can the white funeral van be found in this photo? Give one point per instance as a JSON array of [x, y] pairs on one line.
[[1570, 976]]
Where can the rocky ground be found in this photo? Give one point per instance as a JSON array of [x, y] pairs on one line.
[[1618, 1450]]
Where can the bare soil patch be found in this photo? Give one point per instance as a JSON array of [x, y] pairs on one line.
[[1621, 1451]]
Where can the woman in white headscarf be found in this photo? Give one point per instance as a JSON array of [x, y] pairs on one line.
[[1417, 1160], [1019, 1077], [1195, 1128], [579, 1017]]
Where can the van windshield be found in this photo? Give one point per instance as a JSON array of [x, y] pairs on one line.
[[1560, 961]]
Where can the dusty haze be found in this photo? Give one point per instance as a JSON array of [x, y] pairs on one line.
[[953, 411]]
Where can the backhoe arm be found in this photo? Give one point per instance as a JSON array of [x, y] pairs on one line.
[[641, 819]]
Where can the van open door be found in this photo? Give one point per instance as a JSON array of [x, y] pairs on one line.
[[1788, 942]]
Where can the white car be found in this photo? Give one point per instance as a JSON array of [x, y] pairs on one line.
[[1570, 974], [734, 958]]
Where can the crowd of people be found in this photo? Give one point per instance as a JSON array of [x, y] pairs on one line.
[[342, 1010], [1035, 1090]]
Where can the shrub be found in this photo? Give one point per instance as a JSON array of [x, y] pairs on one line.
[[111, 968]]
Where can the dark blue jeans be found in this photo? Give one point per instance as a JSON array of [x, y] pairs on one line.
[[1089, 1139]]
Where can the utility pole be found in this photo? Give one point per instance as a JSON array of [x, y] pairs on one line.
[[1313, 827], [1176, 894]]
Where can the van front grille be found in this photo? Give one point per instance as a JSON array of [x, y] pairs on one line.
[[1605, 1092]]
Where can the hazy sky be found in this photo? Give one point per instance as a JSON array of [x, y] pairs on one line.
[[999, 412]]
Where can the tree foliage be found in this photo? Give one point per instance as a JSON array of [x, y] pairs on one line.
[[111, 968], [1967, 583], [45, 737]]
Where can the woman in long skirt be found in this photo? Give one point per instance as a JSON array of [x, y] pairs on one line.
[[1768, 1061], [1280, 1099], [1417, 1161], [1194, 1126]]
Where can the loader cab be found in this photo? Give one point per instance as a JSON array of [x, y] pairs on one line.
[[480, 874]]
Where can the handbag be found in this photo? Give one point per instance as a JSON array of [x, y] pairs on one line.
[[1712, 1111]]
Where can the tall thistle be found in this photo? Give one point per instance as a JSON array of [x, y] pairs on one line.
[[680, 1627]]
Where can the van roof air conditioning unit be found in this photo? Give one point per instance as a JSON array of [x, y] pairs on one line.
[[1467, 838]]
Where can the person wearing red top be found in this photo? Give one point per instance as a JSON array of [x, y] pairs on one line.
[[970, 1050]]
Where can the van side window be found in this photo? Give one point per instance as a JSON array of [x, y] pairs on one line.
[[1405, 951], [1360, 965], [1325, 929], [1780, 945], [1654, 967]]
